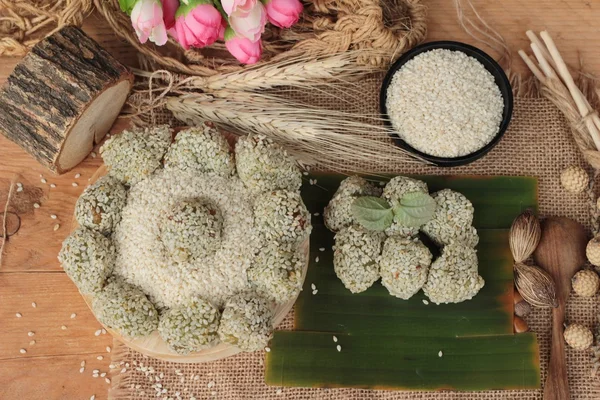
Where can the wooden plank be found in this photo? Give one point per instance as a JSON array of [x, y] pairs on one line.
[[56, 298], [57, 377]]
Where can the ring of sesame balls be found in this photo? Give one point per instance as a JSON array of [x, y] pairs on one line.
[[99, 206], [338, 213]]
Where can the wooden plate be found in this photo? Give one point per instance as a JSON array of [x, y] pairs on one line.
[[154, 346]]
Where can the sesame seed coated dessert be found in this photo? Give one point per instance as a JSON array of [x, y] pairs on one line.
[[338, 213], [134, 155], [126, 308], [393, 192], [203, 149], [99, 206], [264, 166], [404, 265], [88, 259], [453, 276], [445, 103], [247, 321], [192, 229], [276, 273], [190, 328], [281, 216], [452, 220], [355, 257]]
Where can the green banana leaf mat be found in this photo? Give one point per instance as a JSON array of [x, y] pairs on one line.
[[390, 343]]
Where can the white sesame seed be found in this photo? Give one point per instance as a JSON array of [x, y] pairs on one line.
[[268, 349], [338, 347], [213, 393], [278, 392], [335, 339], [313, 286], [93, 397], [425, 302], [440, 354], [19, 184], [210, 384], [44, 180], [93, 154], [77, 176], [305, 173], [108, 349], [123, 370], [96, 371], [52, 185], [321, 248], [56, 227], [98, 332], [104, 333], [74, 184], [315, 291], [106, 380], [18, 315], [53, 216], [102, 375], [19, 189], [23, 351], [36, 205], [112, 366], [32, 343], [82, 363], [30, 334], [73, 315], [34, 305], [64, 328], [316, 214], [81, 370], [99, 358]]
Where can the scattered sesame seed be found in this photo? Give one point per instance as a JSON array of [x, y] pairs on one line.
[[53, 216], [83, 363], [440, 354], [108, 349], [32, 343], [18, 315], [123, 370], [213, 393], [425, 302], [64, 328], [44, 180], [278, 391], [98, 332], [52, 185], [74, 184], [36, 205], [77, 176], [312, 286], [81, 370], [104, 333], [315, 291], [99, 358], [73, 315], [19, 184], [19, 189], [338, 347], [34, 305], [316, 214], [56, 227], [93, 397], [93, 154], [23, 351], [335, 339], [321, 248], [317, 259], [106, 380], [112, 366], [305, 173], [210, 384], [102, 375], [96, 371], [268, 349], [30, 334]]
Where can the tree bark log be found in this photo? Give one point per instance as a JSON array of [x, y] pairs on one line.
[[62, 98]]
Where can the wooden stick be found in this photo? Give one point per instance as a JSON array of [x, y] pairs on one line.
[[532, 66], [535, 39], [548, 70]]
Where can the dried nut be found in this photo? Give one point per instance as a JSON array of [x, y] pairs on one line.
[[535, 285], [525, 234], [574, 179], [519, 325], [522, 308], [592, 251], [578, 337], [585, 283]]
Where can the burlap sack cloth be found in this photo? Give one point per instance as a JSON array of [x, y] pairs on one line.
[[538, 144]]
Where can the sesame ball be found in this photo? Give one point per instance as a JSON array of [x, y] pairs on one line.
[[393, 192], [338, 214], [453, 277], [247, 321], [99, 206], [134, 155], [191, 327], [125, 308], [585, 283], [192, 229], [574, 179], [263, 166], [592, 251], [403, 266], [201, 149], [88, 258], [281, 216], [452, 220], [276, 273], [355, 257], [579, 337]]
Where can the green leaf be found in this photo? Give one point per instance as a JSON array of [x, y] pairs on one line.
[[373, 213], [414, 209], [127, 5]]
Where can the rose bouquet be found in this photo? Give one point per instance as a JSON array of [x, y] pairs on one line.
[[200, 23]]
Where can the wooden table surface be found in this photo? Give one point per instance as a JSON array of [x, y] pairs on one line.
[[30, 273]]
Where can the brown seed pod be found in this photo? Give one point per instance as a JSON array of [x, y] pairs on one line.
[[525, 234], [535, 285]]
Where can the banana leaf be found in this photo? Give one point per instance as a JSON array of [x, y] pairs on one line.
[[394, 344]]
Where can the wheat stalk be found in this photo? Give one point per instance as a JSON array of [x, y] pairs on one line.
[[333, 139]]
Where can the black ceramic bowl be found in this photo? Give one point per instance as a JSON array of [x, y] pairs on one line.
[[489, 63]]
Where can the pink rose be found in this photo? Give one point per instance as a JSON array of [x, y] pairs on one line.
[[147, 20], [242, 7], [169, 8], [249, 23], [197, 24], [243, 49], [283, 13]]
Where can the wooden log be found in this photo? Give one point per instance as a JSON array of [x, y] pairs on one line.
[[62, 98]]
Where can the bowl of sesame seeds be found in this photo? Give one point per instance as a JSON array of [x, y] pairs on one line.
[[446, 102]]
